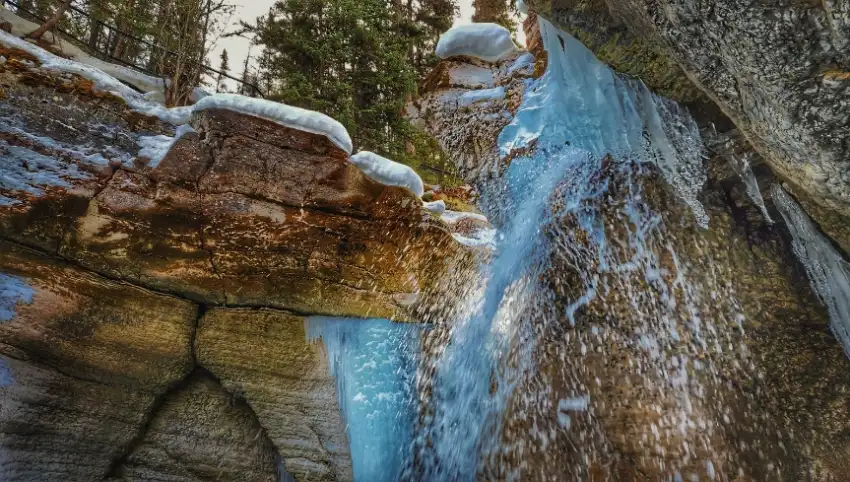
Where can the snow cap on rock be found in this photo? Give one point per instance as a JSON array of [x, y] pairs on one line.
[[286, 115], [388, 172], [486, 41], [436, 207], [522, 7]]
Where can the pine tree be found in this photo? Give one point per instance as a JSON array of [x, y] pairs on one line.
[[495, 11], [224, 69], [358, 61]]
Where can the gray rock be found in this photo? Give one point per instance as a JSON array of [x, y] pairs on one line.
[[779, 70]]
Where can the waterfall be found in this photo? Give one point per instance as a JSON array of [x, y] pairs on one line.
[[582, 122], [828, 273]]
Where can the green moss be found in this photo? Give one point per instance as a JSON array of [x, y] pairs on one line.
[[429, 161]]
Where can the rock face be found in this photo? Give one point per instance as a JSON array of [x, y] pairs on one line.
[[152, 311], [477, 99], [201, 432], [85, 359], [773, 406], [295, 409], [779, 71]]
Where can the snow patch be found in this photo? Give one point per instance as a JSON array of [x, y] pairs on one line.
[[140, 80], [486, 41], [472, 76], [452, 217], [155, 148], [388, 172], [524, 62], [22, 169], [436, 207], [483, 237], [522, 7], [484, 95], [286, 115], [102, 81], [86, 153], [7, 201], [13, 291]]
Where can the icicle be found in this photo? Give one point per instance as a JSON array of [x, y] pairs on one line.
[[374, 364], [741, 166], [828, 273]]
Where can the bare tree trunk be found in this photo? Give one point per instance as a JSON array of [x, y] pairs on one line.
[[57, 15]]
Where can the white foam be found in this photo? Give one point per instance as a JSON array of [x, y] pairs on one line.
[[484, 95]]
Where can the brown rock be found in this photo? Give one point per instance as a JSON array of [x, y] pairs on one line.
[[227, 218], [202, 433], [264, 357], [87, 358], [533, 40]]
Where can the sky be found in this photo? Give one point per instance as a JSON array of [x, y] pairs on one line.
[[248, 10]]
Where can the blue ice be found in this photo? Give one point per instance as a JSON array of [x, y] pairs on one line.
[[374, 362]]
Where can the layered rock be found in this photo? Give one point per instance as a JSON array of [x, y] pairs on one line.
[[202, 432], [87, 360], [151, 310], [778, 71], [285, 381], [765, 394]]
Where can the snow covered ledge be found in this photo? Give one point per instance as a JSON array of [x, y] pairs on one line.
[[285, 115], [388, 172], [289, 116], [486, 41]]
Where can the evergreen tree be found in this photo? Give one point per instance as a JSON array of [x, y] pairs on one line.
[[224, 69], [358, 61], [495, 11]]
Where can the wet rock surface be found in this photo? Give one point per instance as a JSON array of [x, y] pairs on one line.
[[762, 399], [779, 71]]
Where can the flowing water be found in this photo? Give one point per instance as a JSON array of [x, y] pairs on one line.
[[583, 122], [585, 269]]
